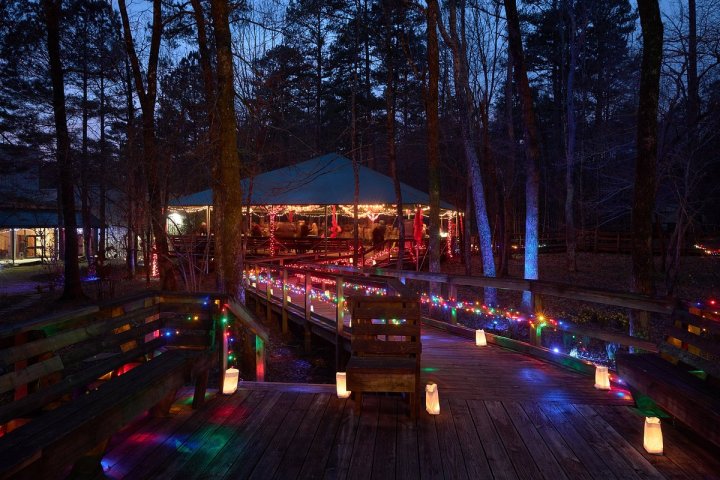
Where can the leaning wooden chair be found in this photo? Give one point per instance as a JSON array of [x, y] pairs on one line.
[[385, 348]]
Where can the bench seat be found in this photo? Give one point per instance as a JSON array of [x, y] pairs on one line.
[[689, 399], [397, 374], [62, 435]]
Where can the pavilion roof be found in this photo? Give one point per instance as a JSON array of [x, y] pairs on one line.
[[37, 218], [325, 180]]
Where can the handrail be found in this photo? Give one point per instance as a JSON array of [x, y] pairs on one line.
[[606, 297], [394, 279]]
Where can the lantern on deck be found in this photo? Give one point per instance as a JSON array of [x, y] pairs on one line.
[[230, 382], [432, 400], [341, 385], [480, 339], [602, 378], [653, 441]]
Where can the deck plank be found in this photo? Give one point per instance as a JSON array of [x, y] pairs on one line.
[[241, 453], [577, 442], [540, 452], [555, 441], [498, 459], [333, 420], [282, 441], [639, 464], [181, 443], [341, 450], [361, 461], [620, 465], [428, 448], [679, 458], [475, 461], [512, 440], [407, 461], [201, 447], [385, 454], [291, 463], [451, 455]]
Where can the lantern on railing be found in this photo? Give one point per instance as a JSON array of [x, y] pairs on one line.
[[271, 291], [230, 382], [480, 339], [432, 399], [602, 378], [289, 300], [341, 385], [653, 441]]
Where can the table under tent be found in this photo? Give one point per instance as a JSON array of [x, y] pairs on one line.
[[309, 208]]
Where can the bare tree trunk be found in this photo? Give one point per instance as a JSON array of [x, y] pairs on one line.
[[102, 244], [390, 129], [467, 237], [84, 166], [151, 156], [210, 94], [72, 288], [510, 127], [532, 148], [646, 161], [671, 260], [433, 132], [570, 235], [462, 92], [229, 207]]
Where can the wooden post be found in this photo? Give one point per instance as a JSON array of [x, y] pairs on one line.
[[21, 390], [308, 312], [224, 346], [259, 359], [201, 383], [268, 300], [452, 295], [339, 320], [284, 301], [536, 332]]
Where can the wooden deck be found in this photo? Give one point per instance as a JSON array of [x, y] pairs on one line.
[[503, 415]]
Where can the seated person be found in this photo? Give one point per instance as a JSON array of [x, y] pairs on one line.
[[304, 229], [378, 235]]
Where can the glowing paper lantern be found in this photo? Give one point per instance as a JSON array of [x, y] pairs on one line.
[[341, 384], [230, 382], [653, 441], [271, 291], [602, 378], [312, 308], [254, 285], [480, 339], [289, 300], [432, 400]]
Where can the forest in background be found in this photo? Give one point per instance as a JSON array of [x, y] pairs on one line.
[[356, 77]]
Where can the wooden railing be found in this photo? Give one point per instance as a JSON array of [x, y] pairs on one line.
[[396, 280]]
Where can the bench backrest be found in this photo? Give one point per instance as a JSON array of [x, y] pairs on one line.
[[694, 340], [385, 326], [45, 360]]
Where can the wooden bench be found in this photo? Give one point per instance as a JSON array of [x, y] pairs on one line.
[[71, 381], [684, 379], [385, 348]]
